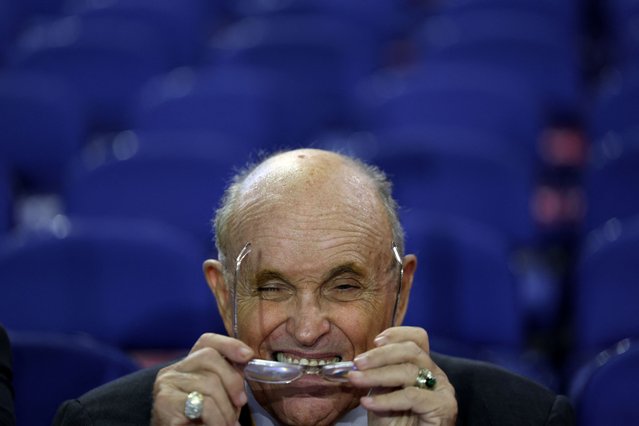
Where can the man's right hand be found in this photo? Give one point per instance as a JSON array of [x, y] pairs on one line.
[[207, 369]]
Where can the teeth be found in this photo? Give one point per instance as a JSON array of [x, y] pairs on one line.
[[313, 362]]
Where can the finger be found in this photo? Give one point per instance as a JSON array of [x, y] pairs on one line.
[[391, 376], [393, 353], [401, 334], [206, 384], [210, 366], [217, 410], [418, 401], [170, 404], [233, 349]]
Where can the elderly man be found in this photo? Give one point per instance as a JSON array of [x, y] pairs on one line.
[[312, 285]]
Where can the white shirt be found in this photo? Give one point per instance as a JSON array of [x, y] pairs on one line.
[[356, 417]]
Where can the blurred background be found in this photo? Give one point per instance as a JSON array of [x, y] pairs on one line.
[[510, 129]]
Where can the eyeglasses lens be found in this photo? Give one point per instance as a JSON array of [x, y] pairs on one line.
[[264, 371]]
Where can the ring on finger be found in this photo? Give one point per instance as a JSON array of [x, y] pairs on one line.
[[193, 406], [425, 379]]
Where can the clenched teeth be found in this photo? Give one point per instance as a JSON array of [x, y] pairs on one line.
[[313, 362]]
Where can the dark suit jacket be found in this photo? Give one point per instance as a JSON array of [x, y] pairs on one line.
[[486, 395], [6, 390]]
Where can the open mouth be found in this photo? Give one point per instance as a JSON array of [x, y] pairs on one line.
[[311, 362]]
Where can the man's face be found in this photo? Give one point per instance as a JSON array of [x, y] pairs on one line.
[[317, 287], [313, 303]]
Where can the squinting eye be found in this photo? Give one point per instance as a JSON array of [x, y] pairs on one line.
[[344, 292], [273, 292], [345, 287]]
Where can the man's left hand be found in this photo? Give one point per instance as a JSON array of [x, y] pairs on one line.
[[391, 369]]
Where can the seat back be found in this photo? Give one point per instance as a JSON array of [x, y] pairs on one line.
[[604, 391], [51, 368], [133, 284]]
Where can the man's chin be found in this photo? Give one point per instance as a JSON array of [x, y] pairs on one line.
[[308, 403]]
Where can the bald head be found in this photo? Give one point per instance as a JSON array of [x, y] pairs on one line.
[[307, 184]]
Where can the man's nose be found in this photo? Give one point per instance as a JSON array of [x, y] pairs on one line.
[[308, 321]]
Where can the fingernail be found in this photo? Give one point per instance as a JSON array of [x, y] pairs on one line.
[[245, 352], [243, 398], [366, 400], [381, 340], [361, 361], [355, 375]]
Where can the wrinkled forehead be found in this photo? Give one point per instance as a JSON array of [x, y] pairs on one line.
[[311, 214]]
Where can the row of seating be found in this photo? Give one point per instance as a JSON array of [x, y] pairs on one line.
[[479, 81], [137, 284], [90, 278]]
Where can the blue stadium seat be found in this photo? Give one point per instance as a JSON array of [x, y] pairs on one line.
[[315, 61], [437, 175], [9, 18], [604, 391], [384, 17], [477, 97], [622, 18], [611, 181], [6, 199], [535, 45], [179, 187], [606, 292], [182, 26], [565, 12], [464, 289], [100, 57], [133, 284], [616, 103], [51, 368], [236, 102], [42, 125]]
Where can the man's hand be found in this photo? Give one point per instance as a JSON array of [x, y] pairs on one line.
[[391, 369], [207, 369]]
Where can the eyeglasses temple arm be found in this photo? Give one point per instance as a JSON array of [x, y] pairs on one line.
[[398, 259], [238, 262]]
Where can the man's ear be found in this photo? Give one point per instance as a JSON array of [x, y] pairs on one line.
[[410, 265], [213, 272]]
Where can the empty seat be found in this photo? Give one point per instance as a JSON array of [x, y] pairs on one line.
[[178, 187], [464, 288], [476, 97], [622, 20], [315, 60], [604, 391], [133, 284], [384, 17], [183, 27], [437, 175], [100, 57], [611, 181], [43, 126], [535, 45], [6, 199], [605, 293], [238, 103], [566, 12], [8, 17], [51, 368], [616, 103]]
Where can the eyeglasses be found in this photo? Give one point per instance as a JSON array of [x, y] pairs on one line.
[[276, 372]]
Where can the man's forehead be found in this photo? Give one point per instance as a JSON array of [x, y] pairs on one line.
[[304, 198]]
